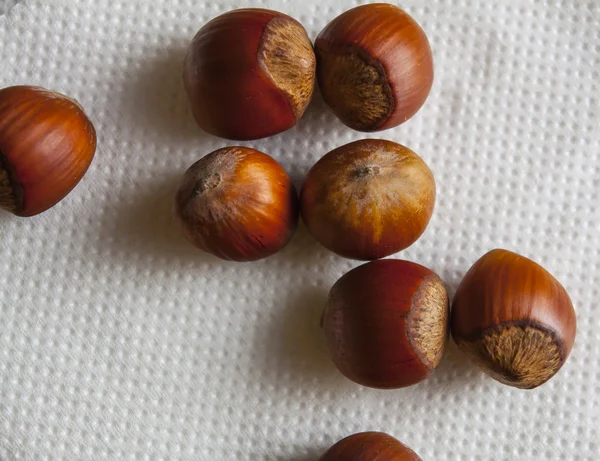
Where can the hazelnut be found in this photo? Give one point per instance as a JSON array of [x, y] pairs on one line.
[[46, 145], [375, 67], [370, 446], [368, 199], [238, 204], [514, 319], [386, 323], [249, 74]]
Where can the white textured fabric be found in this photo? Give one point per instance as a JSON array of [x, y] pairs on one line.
[[6, 5], [119, 341]]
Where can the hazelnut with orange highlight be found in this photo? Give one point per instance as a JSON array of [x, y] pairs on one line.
[[368, 199], [514, 319], [370, 446], [47, 143], [238, 204]]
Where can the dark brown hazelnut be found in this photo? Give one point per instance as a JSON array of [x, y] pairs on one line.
[[250, 74], [386, 323]]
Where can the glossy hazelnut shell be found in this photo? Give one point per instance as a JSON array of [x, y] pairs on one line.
[[370, 446], [249, 74], [386, 323], [47, 144], [238, 204], [368, 199], [514, 319], [375, 66]]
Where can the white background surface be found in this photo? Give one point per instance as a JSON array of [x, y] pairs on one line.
[[6, 5], [118, 341]]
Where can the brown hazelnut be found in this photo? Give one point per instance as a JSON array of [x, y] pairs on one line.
[[386, 323], [375, 67], [249, 74], [370, 446], [46, 145], [368, 199], [238, 204], [514, 319]]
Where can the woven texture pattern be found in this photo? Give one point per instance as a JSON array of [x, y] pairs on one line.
[[6, 5], [119, 341]]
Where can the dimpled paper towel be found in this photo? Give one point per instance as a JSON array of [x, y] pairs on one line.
[[119, 341], [6, 5]]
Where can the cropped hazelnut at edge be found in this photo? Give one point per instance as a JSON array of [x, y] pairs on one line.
[[47, 143]]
